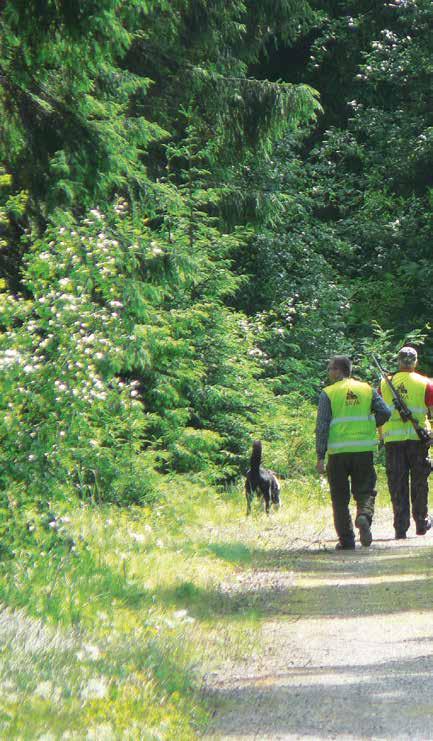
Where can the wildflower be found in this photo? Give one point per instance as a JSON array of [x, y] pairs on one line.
[[179, 614], [96, 213], [95, 688], [44, 689], [101, 732], [138, 537], [92, 651]]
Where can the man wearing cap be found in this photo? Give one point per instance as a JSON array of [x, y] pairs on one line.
[[348, 414], [406, 454]]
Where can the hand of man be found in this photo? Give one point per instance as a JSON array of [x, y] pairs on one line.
[[320, 466]]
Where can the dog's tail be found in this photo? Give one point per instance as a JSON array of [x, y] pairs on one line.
[[256, 455]]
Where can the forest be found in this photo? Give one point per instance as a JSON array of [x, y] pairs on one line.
[[200, 203]]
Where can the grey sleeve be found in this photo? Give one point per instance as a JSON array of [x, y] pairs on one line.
[[324, 416], [380, 409]]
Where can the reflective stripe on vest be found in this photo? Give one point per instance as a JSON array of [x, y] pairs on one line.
[[364, 418], [412, 388], [366, 445], [353, 427], [414, 410], [400, 434]]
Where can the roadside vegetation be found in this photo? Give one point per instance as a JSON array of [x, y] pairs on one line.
[[110, 634], [108, 628]]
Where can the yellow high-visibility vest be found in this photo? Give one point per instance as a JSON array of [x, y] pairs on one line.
[[353, 426], [412, 388]]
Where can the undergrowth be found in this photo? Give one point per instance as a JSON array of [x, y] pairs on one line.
[[108, 636]]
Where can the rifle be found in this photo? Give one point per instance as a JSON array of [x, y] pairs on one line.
[[403, 409]]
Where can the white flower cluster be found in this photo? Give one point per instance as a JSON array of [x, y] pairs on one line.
[[96, 688], [180, 616], [255, 352], [121, 207], [156, 249], [402, 3], [96, 215], [47, 691], [89, 652], [9, 358], [394, 225], [76, 320], [389, 36]]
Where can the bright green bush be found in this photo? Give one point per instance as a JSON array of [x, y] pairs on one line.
[[120, 360], [69, 421]]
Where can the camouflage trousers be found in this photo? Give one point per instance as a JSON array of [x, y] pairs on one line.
[[406, 461], [351, 473]]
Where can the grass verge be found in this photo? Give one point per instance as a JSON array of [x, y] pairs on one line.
[[111, 640]]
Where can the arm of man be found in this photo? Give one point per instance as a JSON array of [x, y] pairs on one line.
[[323, 421], [429, 399], [380, 409]]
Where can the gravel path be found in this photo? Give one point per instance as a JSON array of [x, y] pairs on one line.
[[346, 647]]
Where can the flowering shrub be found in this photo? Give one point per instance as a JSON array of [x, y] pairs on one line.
[[121, 361], [69, 421]]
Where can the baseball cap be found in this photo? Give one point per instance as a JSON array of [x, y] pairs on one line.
[[409, 354]]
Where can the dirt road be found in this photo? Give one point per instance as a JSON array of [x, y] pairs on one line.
[[346, 646]]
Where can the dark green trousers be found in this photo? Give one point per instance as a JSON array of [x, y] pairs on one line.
[[351, 473], [407, 460]]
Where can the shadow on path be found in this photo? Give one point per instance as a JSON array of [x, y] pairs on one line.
[[331, 702], [317, 584], [404, 558]]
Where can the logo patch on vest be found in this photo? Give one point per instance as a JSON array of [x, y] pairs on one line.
[[351, 399], [402, 390]]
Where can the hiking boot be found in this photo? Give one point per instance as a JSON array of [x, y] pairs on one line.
[[400, 534], [365, 535], [424, 525], [345, 546]]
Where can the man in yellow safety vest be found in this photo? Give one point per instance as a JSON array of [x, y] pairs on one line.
[[349, 412], [406, 454]]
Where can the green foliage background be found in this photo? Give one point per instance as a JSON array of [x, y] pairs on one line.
[[187, 233]]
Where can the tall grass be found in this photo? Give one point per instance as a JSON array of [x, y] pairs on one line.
[[111, 639]]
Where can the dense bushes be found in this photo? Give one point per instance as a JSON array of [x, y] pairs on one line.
[[111, 371]]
